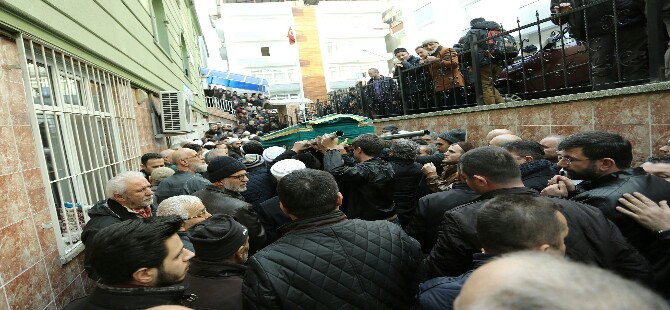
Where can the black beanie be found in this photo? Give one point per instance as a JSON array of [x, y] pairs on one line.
[[222, 167], [447, 137], [458, 134], [217, 238], [399, 49]]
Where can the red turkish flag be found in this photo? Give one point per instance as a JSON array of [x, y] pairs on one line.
[[291, 37]]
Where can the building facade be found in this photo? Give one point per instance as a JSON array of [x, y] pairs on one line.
[[80, 103]]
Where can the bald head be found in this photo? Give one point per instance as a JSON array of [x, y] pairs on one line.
[[502, 139], [497, 132], [535, 280], [167, 155], [550, 146]]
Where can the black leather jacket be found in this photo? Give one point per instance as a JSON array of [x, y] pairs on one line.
[[604, 192], [368, 187], [592, 239], [425, 223], [219, 200]]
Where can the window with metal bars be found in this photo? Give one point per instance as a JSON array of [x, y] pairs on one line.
[[87, 130]]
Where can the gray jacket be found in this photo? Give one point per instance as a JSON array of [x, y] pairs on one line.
[[219, 200], [180, 183]]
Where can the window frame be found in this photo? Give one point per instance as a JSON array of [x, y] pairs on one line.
[[86, 135]]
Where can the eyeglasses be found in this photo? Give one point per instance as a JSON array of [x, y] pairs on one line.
[[569, 160], [200, 214], [239, 177]]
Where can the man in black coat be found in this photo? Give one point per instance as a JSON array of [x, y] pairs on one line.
[[602, 159], [368, 184], [424, 225], [407, 177], [535, 170], [216, 271], [613, 52], [492, 171], [137, 272], [326, 261], [229, 179]]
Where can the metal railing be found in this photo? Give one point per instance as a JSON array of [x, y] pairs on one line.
[[221, 104], [605, 44]]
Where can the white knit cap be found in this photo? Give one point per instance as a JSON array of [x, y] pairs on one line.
[[286, 166], [198, 142], [232, 140], [272, 152]]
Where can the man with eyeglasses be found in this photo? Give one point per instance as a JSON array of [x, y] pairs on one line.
[[229, 179], [187, 179], [188, 208], [603, 160]]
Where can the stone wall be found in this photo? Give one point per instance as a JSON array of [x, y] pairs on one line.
[[641, 114]]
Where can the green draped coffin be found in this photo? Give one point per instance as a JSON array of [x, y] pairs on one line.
[[351, 125]]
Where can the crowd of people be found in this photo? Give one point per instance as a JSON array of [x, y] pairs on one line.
[[437, 77], [249, 111], [429, 222]]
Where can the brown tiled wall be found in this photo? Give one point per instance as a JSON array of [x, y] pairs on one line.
[[31, 276], [309, 48], [642, 118]]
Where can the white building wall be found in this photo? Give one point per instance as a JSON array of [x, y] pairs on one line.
[[352, 40]]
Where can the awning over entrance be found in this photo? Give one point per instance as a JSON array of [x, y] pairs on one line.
[[233, 80]]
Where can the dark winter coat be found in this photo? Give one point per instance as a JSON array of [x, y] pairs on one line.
[[480, 30], [260, 187], [217, 285], [106, 297], [629, 13], [592, 239], [104, 213], [272, 217], [368, 187], [604, 192], [414, 76], [219, 200], [330, 262], [425, 223], [407, 177], [536, 174], [441, 292]]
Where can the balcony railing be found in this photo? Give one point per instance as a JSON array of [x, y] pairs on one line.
[[599, 46]]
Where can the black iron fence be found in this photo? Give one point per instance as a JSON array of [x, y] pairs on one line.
[[604, 44]]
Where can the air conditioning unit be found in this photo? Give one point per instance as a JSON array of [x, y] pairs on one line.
[[176, 116]]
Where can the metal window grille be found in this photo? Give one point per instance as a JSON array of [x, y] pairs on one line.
[[84, 121]]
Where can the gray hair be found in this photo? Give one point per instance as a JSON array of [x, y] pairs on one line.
[[177, 205], [432, 149], [546, 281], [118, 184], [214, 153], [404, 149]]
